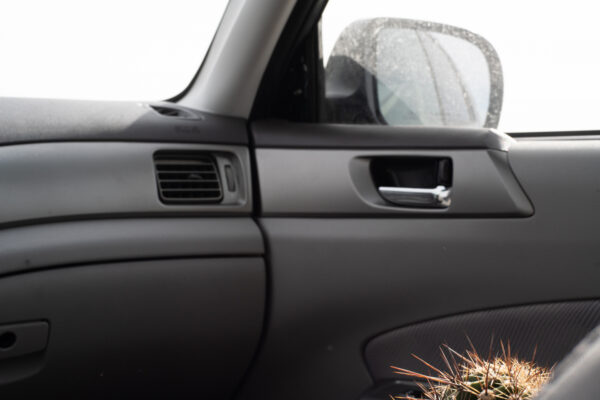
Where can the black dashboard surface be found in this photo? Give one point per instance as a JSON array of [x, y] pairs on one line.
[[48, 120]]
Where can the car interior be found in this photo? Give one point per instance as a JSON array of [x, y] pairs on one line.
[[266, 236]]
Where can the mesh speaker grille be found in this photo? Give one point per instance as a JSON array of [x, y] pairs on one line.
[[554, 328]]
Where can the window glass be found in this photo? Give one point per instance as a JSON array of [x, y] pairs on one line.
[[444, 74], [104, 49]]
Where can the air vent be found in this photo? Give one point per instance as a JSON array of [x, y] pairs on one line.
[[171, 111], [187, 178]]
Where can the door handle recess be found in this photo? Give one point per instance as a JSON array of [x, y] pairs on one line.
[[438, 197], [22, 339]]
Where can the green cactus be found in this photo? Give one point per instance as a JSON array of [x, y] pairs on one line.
[[471, 377]]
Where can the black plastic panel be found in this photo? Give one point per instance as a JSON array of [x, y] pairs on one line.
[[337, 282], [551, 329], [41, 120], [283, 134], [69, 243], [328, 182], [22, 339], [171, 329], [66, 180]]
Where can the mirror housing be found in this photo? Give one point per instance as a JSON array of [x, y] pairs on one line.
[[405, 72]]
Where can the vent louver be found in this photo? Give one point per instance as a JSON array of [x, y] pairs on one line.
[[171, 111], [168, 112], [187, 178]]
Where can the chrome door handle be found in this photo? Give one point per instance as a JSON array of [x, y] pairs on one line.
[[438, 197]]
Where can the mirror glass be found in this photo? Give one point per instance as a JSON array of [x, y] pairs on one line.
[[428, 78], [414, 73]]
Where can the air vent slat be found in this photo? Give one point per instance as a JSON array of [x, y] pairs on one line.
[[206, 161], [169, 110], [187, 178], [184, 168], [178, 167], [190, 190], [182, 194], [185, 185]]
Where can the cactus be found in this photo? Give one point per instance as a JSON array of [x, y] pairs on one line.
[[471, 377]]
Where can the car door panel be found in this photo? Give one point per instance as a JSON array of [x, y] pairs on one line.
[[347, 275], [281, 134], [341, 183], [524, 328], [101, 178], [142, 296], [48, 245], [153, 250], [177, 328]]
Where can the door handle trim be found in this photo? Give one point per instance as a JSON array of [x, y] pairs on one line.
[[438, 197]]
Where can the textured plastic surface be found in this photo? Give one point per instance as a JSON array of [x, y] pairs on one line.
[[18, 340], [549, 330], [282, 134], [339, 182], [49, 245], [58, 180], [337, 282], [562, 181], [45, 120], [170, 329]]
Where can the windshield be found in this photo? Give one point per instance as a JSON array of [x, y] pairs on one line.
[[104, 49]]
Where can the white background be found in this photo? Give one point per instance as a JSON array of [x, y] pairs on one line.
[[103, 49], [149, 49], [550, 51]]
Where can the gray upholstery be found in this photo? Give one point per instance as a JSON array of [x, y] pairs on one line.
[[576, 377], [554, 328]]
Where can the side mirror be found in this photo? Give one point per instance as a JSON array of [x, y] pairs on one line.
[[406, 72]]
